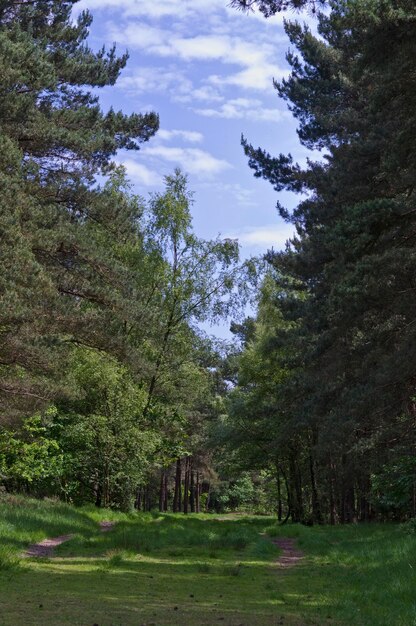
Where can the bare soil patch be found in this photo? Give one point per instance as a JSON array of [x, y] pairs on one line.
[[46, 547], [290, 554]]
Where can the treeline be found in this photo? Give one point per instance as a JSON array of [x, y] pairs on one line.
[[109, 392], [105, 380], [326, 383]]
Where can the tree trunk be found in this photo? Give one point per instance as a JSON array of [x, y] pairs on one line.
[[106, 488], [347, 512], [288, 494], [365, 491], [332, 505], [349, 505], [316, 509], [207, 500], [165, 492], [279, 493], [138, 502], [197, 493], [148, 499], [98, 495], [162, 490], [186, 487], [177, 498], [192, 490], [295, 489]]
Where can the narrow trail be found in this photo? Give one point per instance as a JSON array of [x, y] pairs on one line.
[[290, 554], [45, 548]]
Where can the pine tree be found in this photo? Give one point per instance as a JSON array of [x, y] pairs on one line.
[[352, 90], [55, 140], [271, 7]]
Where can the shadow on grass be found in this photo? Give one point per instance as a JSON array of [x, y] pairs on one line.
[[210, 570], [177, 534], [24, 521], [163, 592]]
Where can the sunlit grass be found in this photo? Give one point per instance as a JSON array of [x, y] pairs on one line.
[[197, 570]]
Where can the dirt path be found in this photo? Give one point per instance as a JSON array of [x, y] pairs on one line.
[[290, 554], [46, 547], [106, 526]]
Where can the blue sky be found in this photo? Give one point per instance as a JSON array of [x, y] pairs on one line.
[[207, 70]]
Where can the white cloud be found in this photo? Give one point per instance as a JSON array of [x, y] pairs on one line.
[[152, 9], [173, 8], [192, 160], [239, 108], [189, 136], [144, 80], [264, 237], [242, 196], [256, 76], [207, 93], [137, 34], [202, 47], [140, 174], [257, 60]]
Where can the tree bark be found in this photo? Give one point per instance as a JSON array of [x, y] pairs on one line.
[[138, 502], [295, 489], [177, 498], [98, 495], [192, 490], [316, 509], [162, 490], [208, 496], [279, 493], [332, 502], [186, 487], [288, 494], [197, 493], [165, 492]]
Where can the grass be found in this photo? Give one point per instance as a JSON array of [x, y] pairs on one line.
[[171, 570]]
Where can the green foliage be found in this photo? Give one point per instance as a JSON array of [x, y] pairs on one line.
[[58, 274], [237, 490], [29, 455], [239, 494], [100, 292], [410, 526], [24, 521], [271, 7], [328, 375], [107, 445], [394, 487]]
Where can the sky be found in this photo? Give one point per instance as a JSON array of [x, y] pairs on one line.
[[208, 71]]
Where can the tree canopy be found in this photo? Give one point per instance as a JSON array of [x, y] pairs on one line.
[[342, 333], [109, 390]]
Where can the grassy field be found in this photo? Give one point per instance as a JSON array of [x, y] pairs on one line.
[[170, 570]]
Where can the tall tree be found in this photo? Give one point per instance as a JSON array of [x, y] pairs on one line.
[[55, 140], [353, 256], [202, 280]]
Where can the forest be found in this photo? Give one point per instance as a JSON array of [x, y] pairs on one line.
[[114, 398], [110, 391]]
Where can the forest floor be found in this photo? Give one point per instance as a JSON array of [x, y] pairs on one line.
[[172, 570]]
